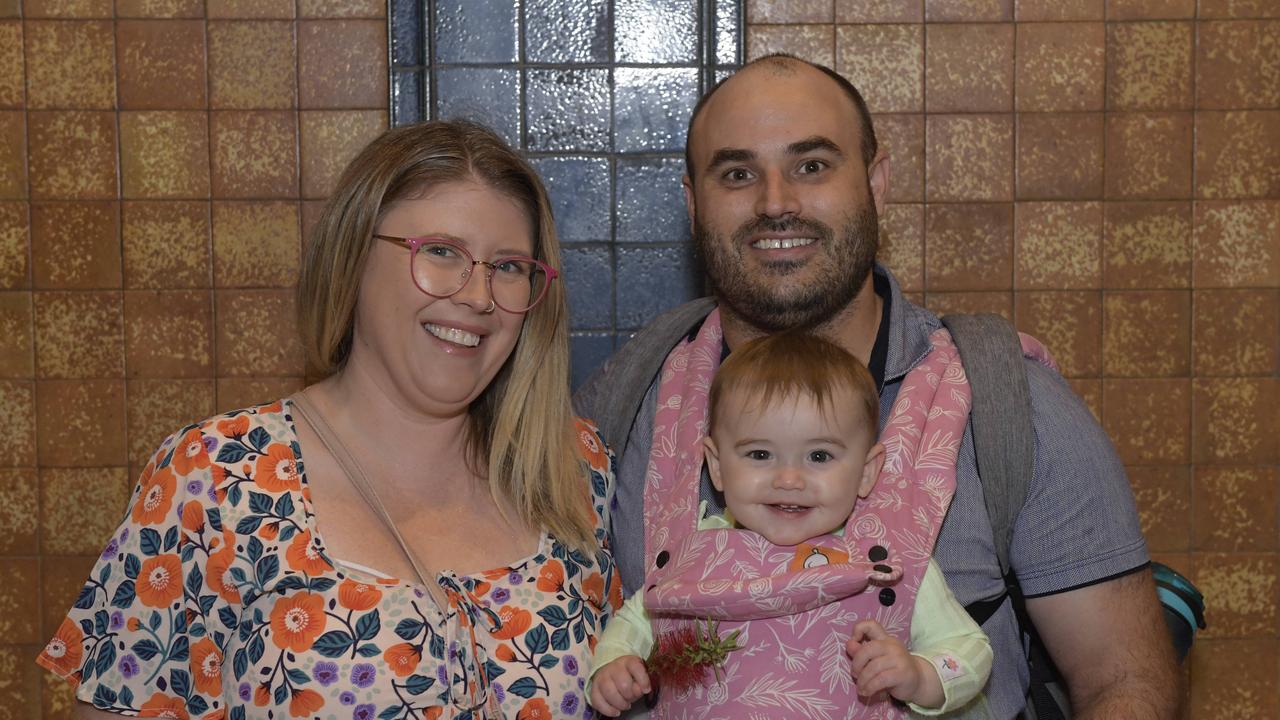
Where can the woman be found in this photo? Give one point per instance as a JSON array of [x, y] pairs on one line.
[[418, 535]]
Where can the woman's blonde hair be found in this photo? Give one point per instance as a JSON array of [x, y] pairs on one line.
[[520, 432]]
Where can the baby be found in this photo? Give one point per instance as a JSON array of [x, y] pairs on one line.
[[792, 445]]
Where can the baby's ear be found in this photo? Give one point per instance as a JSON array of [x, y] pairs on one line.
[[871, 469], [713, 461]]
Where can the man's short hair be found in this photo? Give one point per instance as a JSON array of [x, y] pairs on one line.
[[869, 146]]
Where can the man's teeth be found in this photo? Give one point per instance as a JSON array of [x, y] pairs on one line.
[[781, 243], [453, 335]]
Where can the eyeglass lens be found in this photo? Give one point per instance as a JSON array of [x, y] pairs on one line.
[[442, 269]]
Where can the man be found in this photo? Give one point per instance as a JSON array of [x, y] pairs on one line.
[[784, 187]]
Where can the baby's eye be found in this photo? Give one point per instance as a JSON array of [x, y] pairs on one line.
[[820, 456], [759, 454]]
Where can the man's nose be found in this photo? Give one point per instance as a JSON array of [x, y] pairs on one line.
[[778, 196]]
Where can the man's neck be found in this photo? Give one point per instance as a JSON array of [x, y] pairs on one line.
[[854, 328]]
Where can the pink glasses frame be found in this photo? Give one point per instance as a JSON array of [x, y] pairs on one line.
[[416, 242]]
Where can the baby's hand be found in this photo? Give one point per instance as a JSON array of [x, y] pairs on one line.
[[618, 684], [880, 661]]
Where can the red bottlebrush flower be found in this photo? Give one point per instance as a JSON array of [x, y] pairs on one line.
[[681, 659]]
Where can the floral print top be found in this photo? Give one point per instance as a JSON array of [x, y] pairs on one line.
[[216, 598]]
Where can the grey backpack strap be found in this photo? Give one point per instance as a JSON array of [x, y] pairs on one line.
[[1001, 418]]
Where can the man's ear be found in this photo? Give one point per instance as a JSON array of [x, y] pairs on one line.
[[871, 470], [690, 205], [713, 461], [878, 179]]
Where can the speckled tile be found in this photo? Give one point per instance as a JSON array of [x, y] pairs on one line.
[[1237, 65], [80, 508], [13, 155], [15, 245], [72, 155], [1069, 323], [168, 333], [1163, 497], [251, 65], [1235, 678], [1146, 333], [340, 64], [968, 247], [164, 155], [255, 244], [10, 8], [1240, 591], [968, 157], [243, 392], [885, 63], [17, 342], [789, 12], [250, 9], [1235, 508], [1238, 9], [79, 334], [67, 8], [161, 64], [902, 138], [159, 408], [70, 65], [60, 584], [1148, 156], [311, 210], [969, 303], [1235, 244], [1149, 66], [815, 43], [76, 245], [968, 10], [82, 423], [1147, 245], [1090, 392], [19, 601], [256, 335], [1057, 245], [1149, 420], [12, 66], [968, 67], [902, 244], [1235, 332], [1061, 66], [19, 511], [18, 417], [159, 8], [254, 154], [1237, 154], [330, 139], [1235, 420], [166, 244], [1150, 9], [879, 11], [20, 693], [1059, 156], [1058, 10], [342, 8]]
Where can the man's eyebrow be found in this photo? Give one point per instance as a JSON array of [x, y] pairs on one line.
[[817, 142], [724, 156]]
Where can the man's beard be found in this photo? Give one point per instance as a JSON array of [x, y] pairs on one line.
[[838, 270]]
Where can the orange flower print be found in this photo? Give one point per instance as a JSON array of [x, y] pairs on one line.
[[354, 595], [235, 427], [65, 649], [206, 666], [590, 447], [535, 709], [218, 570], [155, 498], [402, 658], [192, 517], [296, 621], [160, 580], [277, 471], [216, 715], [514, 622], [262, 695], [303, 556], [594, 588], [190, 454], [164, 706], [269, 531], [305, 702], [432, 713], [551, 577], [505, 653], [615, 592]]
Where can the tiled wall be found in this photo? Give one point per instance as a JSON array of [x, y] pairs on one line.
[[1108, 175], [159, 160]]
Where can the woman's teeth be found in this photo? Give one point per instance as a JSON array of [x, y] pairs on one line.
[[782, 243], [453, 335]]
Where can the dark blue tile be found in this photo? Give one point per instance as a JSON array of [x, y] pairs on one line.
[[651, 280], [570, 31], [651, 206], [406, 97], [567, 109], [588, 274], [476, 31], [580, 199], [408, 32], [656, 31], [652, 107], [486, 95], [728, 42], [588, 351]]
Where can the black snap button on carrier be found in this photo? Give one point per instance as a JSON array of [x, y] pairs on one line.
[[663, 558], [888, 597], [877, 554]]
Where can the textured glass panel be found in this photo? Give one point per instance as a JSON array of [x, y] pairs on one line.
[[723, 74], [476, 31], [579, 190], [568, 109], [407, 32], [652, 280], [406, 97], [728, 17], [588, 351], [656, 31], [652, 107], [486, 95], [567, 31], [651, 206], [588, 274]]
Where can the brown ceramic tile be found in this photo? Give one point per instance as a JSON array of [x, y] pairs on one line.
[[968, 10], [1237, 154], [18, 417], [19, 511], [255, 154], [251, 65], [80, 508], [17, 345], [168, 333], [330, 139], [158, 408], [1090, 391], [1058, 10], [1069, 323], [12, 70], [886, 63], [1235, 678], [1163, 497], [1057, 245], [67, 8], [968, 247], [236, 393], [1148, 156], [1148, 420], [20, 694], [337, 67], [164, 154], [902, 138], [81, 423], [311, 210], [1149, 66], [879, 11], [14, 245], [1235, 244], [19, 581], [344, 8], [1235, 420], [255, 244], [902, 244], [166, 245], [1238, 9], [1237, 64], [250, 9], [159, 8], [968, 157], [1147, 245], [61, 581], [1150, 9], [1060, 156], [256, 335], [10, 8], [79, 334], [947, 303], [968, 67], [789, 11], [1061, 66], [76, 245], [57, 698], [1235, 508], [72, 155], [1235, 332], [1146, 333], [161, 64], [70, 65], [1240, 591], [815, 43], [13, 155]]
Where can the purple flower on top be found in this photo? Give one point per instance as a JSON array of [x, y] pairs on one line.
[[212, 494], [347, 698], [128, 666], [569, 705], [364, 712], [210, 443], [245, 692], [441, 675], [194, 487], [363, 675], [111, 549], [515, 578], [499, 692], [570, 664], [500, 595], [124, 536], [325, 673], [117, 620]]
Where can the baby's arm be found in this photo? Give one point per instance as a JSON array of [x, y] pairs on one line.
[[880, 661], [618, 684], [618, 676]]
